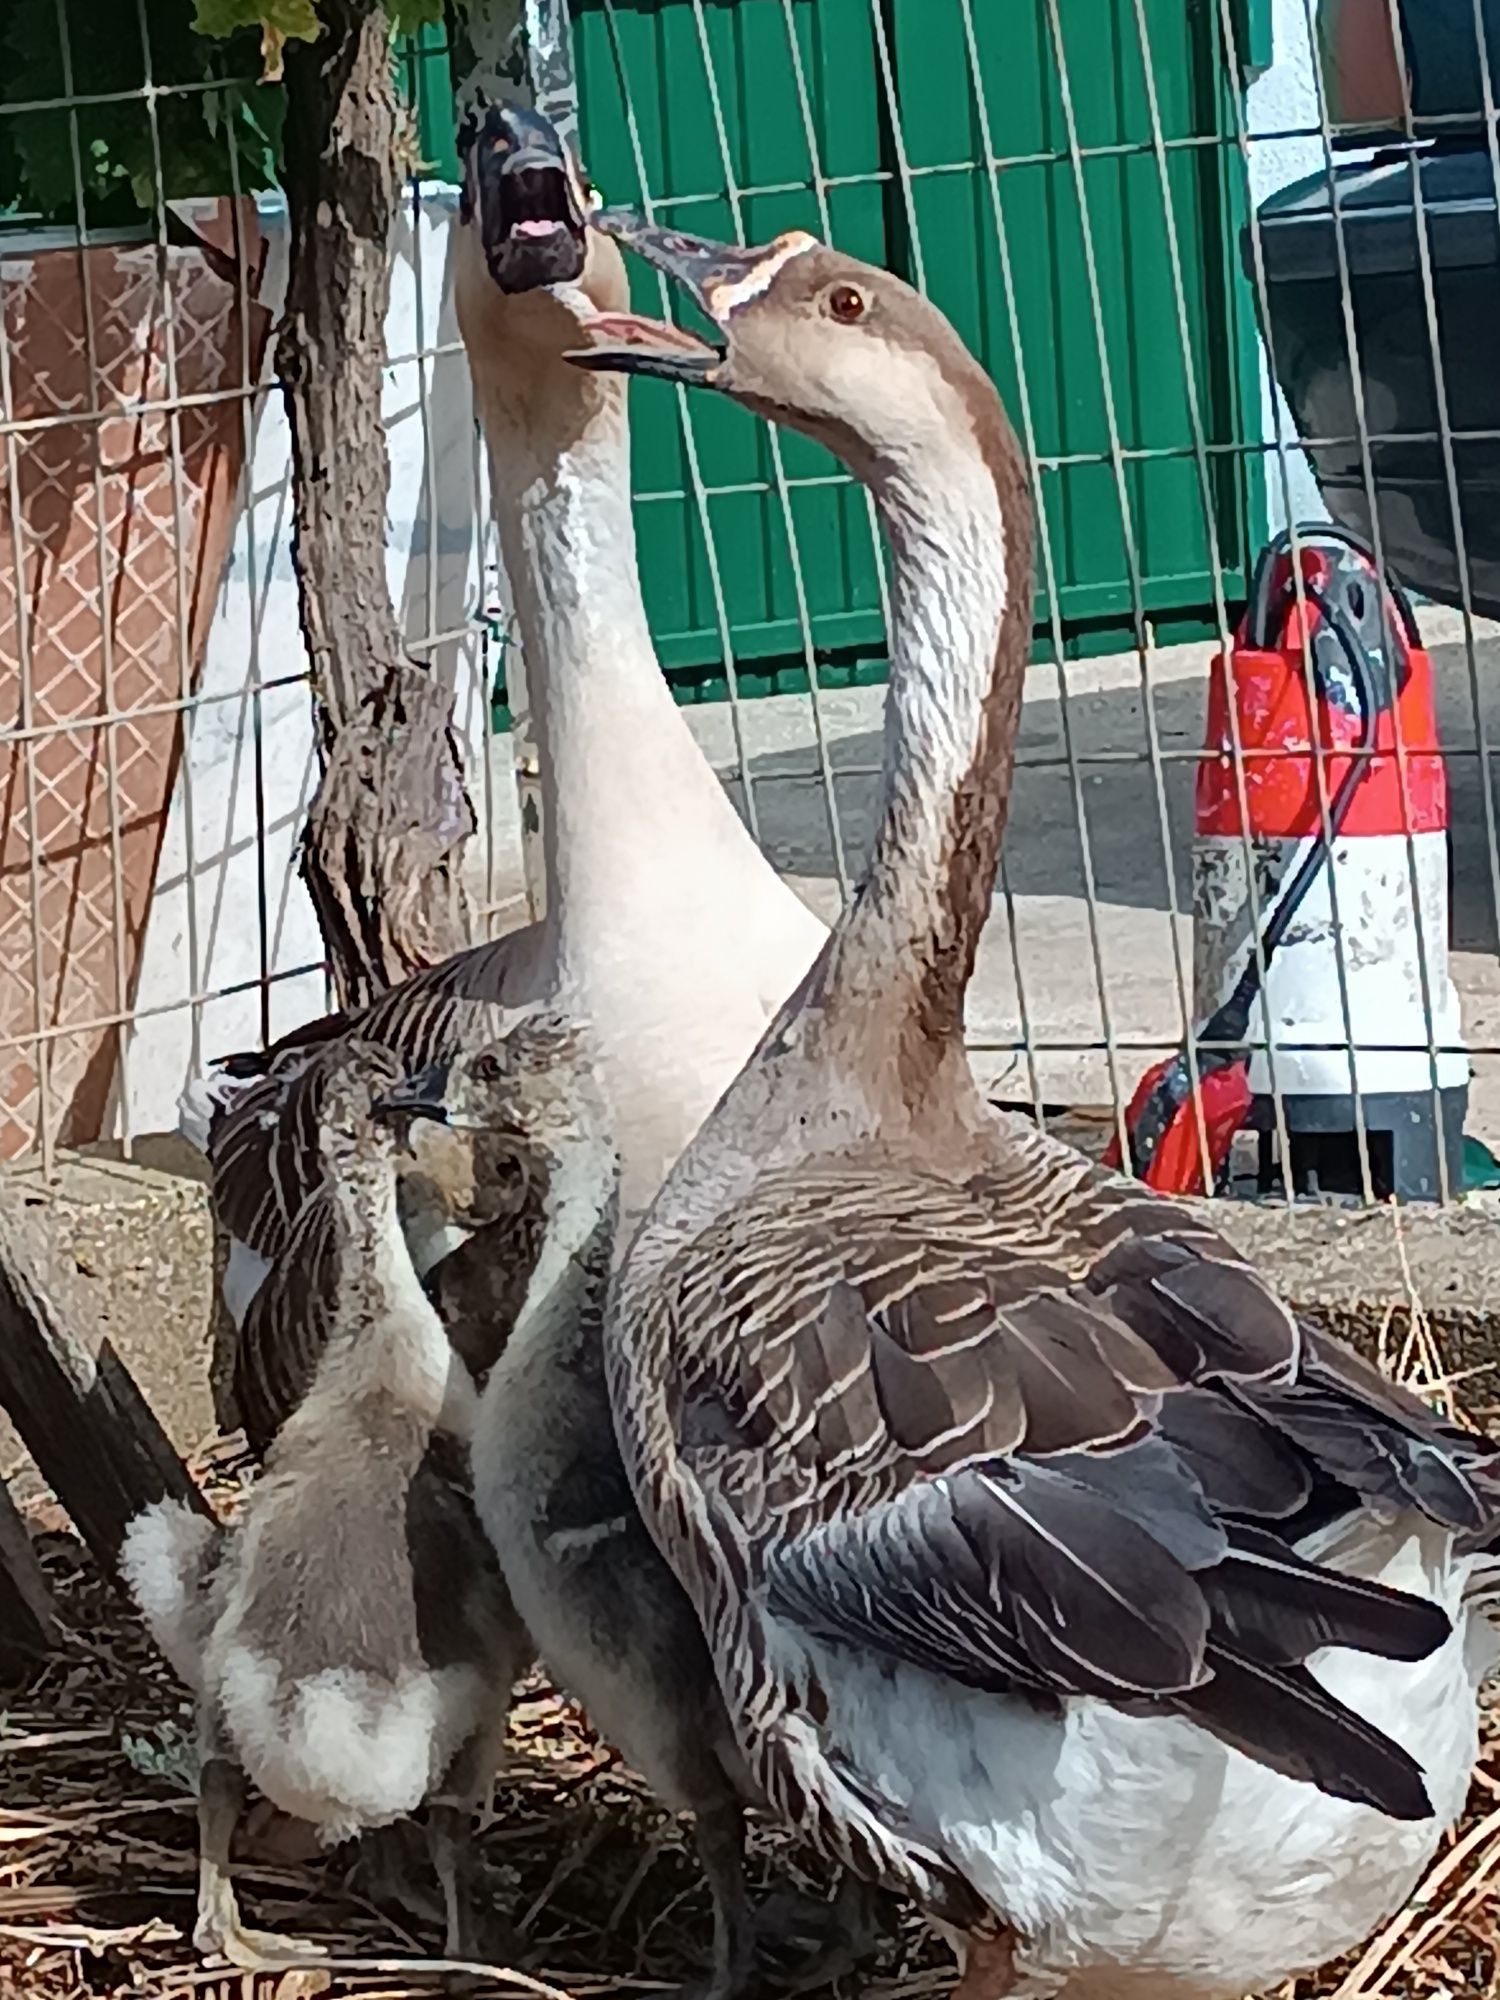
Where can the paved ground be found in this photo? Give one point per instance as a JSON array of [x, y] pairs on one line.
[[1127, 960]]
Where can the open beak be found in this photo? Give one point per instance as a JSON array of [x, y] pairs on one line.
[[523, 189], [421, 1095], [718, 277]]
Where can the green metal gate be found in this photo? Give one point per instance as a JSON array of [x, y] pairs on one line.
[[1077, 237]]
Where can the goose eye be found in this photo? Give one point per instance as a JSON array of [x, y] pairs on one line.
[[846, 304]]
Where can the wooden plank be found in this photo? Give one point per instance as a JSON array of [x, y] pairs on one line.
[[94, 1437], [28, 1617]]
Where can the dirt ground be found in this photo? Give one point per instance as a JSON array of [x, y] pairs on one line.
[[97, 1854]]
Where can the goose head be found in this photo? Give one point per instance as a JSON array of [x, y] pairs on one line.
[[524, 197], [530, 276], [802, 335], [514, 1106], [353, 1134]]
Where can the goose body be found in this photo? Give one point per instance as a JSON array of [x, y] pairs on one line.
[[1139, 1857], [607, 1615], [611, 1621], [349, 1638], [1053, 1573]]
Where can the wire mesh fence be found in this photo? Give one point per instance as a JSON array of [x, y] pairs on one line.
[[1089, 188]]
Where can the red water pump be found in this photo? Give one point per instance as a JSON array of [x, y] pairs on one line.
[[1320, 901]]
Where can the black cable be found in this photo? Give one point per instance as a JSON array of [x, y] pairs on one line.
[[1231, 1022]]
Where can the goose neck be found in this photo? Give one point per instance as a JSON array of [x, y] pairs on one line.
[[957, 517], [566, 1290], [392, 1338], [621, 775]]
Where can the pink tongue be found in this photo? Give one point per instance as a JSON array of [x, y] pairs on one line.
[[534, 226]]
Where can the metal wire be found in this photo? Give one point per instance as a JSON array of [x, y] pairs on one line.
[[1042, 986]]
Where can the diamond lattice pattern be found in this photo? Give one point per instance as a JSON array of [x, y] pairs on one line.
[[109, 565]]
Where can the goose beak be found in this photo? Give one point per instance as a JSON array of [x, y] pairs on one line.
[[524, 191], [422, 1095], [718, 277]]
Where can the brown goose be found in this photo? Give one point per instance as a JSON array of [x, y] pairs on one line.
[[665, 927], [1053, 1573], [349, 1638]]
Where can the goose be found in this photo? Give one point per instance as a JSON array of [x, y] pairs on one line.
[[665, 928], [349, 1638], [608, 1617], [1054, 1574]]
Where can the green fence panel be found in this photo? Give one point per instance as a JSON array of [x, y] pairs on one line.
[[1115, 343], [691, 108], [783, 104]]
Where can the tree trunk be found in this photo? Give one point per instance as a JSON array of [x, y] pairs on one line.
[[386, 832], [78, 1410]]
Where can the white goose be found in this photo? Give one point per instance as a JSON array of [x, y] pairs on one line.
[[665, 927], [1053, 1573]]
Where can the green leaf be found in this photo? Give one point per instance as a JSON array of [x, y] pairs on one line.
[[292, 20], [206, 142]]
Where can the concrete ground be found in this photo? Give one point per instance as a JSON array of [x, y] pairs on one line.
[[1127, 966]]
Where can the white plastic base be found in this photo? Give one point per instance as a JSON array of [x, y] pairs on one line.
[[1386, 940]]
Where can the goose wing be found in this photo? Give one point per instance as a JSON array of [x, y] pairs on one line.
[[288, 1324], [1065, 1456], [263, 1142]]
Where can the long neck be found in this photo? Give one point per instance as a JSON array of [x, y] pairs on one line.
[[393, 1338], [565, 1297], [623, 782], [958, 520], [361, 1170]]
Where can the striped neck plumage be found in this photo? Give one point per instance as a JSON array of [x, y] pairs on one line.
[[581, 1208], [390, 1337], [959, 527]]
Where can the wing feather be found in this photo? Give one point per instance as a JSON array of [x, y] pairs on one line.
[[1284, 1718], [268, 1188], [1069, 1466], [983, 1575]]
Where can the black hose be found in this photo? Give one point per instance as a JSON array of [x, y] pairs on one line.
[[1231, 1022]]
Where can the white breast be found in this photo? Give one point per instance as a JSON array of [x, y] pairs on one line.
[[670, 1043]]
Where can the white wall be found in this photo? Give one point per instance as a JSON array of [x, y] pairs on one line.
[[1285, 99]]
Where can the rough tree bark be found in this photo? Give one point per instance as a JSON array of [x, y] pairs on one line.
[[28, 1617], [386, 832], [90, 1431]]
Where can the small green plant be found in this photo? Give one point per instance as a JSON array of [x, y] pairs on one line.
[[278, 22], [218, 117], [168, 1753]]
